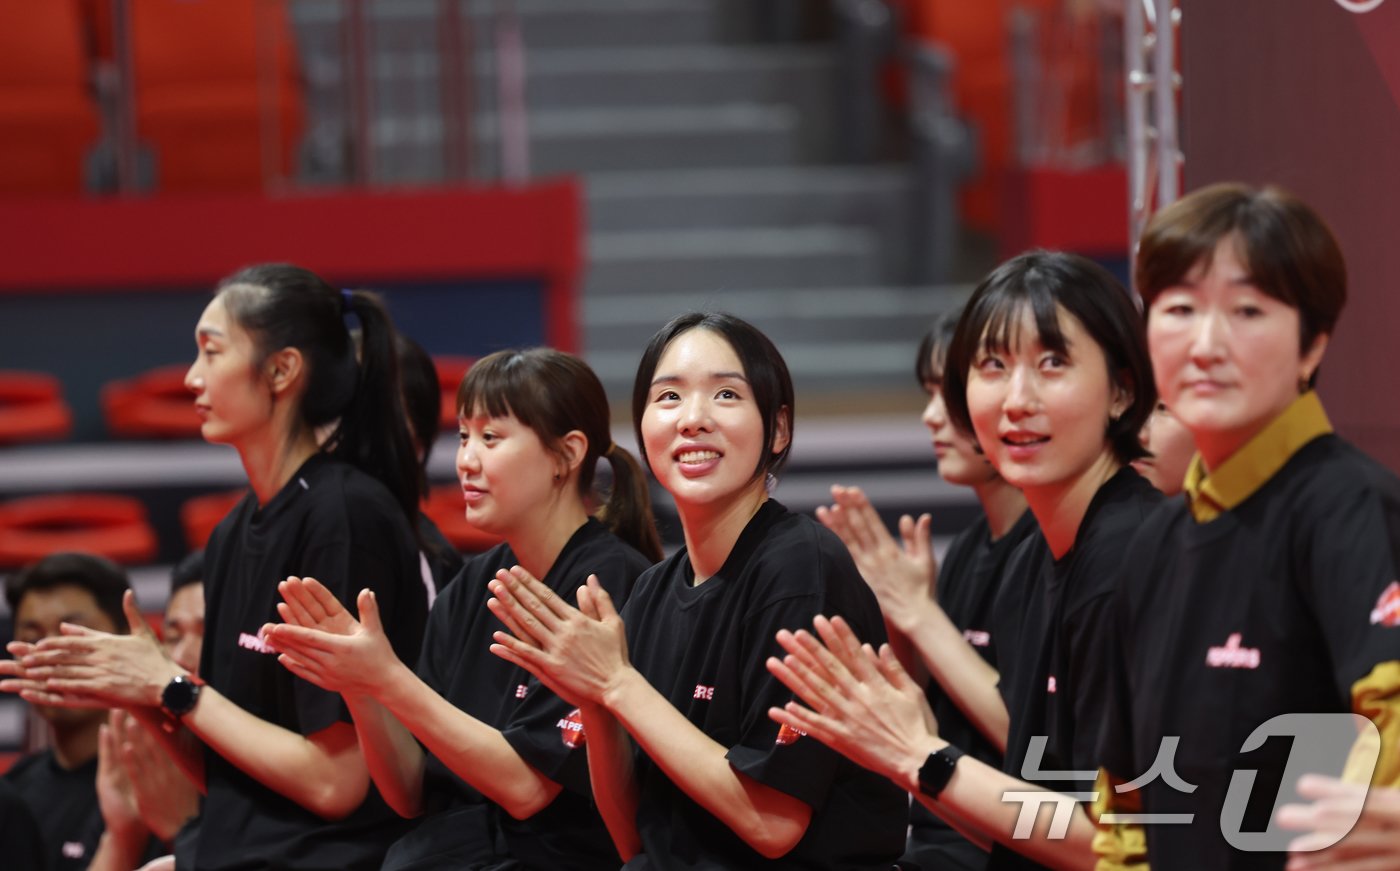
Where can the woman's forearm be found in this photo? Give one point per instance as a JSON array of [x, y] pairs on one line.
[[475, 751], [769, 821]]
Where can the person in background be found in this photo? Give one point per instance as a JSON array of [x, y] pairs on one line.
[[1170, 449], [141, 791], [943, 629], [422, 401], [59, 784]]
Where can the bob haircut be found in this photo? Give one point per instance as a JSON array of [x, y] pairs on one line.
[[935, 343], [1289, 250], [1044, 282], [764, 367]]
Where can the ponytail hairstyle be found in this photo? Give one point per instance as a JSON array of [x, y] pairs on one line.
[[554, 393], [284, 306]]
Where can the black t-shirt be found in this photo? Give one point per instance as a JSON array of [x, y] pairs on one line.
[[1271, 608], [704, 648], [968, 582], [20, 834], [64, 803], [336, 524], [1051, 618], [458, 664]]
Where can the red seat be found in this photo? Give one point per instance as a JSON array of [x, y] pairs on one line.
[[48, 120], [451, 371], [201, 514], [155, 404], [32, 408], [445, 508], [216, 119], [107, 525]]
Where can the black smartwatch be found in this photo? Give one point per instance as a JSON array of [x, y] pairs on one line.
[[179, 696], [938, 770]]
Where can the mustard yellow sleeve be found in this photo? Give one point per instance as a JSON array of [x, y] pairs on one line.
[[1119, 846], [1377, 698]]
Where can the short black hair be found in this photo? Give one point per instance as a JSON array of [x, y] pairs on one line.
[[935, 344], [104, 579], [1044, 282], [764, 367], [189, 570]]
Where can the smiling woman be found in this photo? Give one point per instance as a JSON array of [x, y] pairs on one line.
[[1049, 371], [673, 696], [466, 741]]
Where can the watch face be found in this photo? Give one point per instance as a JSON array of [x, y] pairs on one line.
[[936, 772], [179, 696]]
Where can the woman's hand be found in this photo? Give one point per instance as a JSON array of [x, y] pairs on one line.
[[579, 653], [320, 642], [115, 794], [163, 795], [1348, 826], [901, 574], [862, 704], [87, 668]]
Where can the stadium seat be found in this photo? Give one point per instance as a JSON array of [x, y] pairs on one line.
[[32, 408], [108, 525], [48, 119], [155, 404]]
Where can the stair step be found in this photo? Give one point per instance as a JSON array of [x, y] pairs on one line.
[[643, 263], [742, 196]]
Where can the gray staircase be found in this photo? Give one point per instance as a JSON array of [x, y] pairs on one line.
[[709, 165]]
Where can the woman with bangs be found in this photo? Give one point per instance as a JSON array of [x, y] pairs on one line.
[[941, 627], [1049, 371], [499, 778], [1271, 589], [688, 769]]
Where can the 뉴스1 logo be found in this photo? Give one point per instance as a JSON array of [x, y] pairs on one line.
[[1387, 610], [1359, 6], [788, 735], [1232, 654], [571, 730]]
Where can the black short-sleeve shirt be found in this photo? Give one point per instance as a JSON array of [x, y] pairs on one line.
[[1270, 608], [968, 582], [340, 526], [704, 648], [1052, 619], [458, 664], [20, 833], [64, 803]]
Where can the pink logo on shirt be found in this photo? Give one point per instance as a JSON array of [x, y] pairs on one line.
[[1387, 610], [254, 643], [1232, 654]]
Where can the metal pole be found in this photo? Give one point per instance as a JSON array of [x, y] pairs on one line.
[[1164, 95], [452, 84], [124, 136], [357, 62]]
